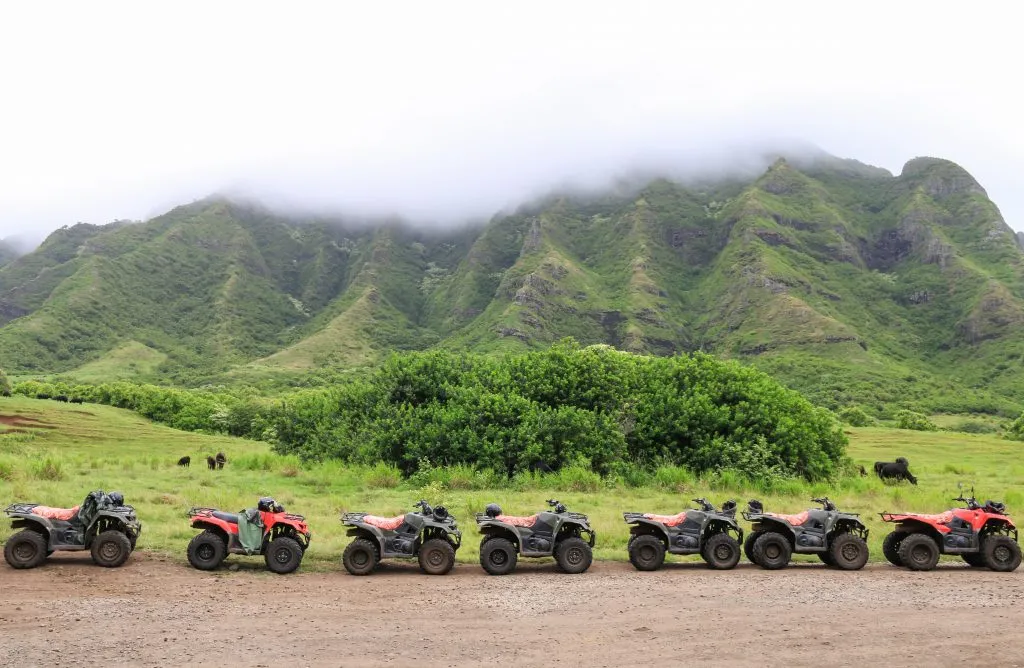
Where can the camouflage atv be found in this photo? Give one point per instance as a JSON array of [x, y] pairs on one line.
[[431, 535], [839, 539], [557, 533], [103, 524], [705, 532]]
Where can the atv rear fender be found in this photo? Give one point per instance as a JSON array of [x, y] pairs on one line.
[[849, 525], [717, 525], [577, 528]]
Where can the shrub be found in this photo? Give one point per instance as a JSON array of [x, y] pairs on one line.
[[916, 421], [974, 427], [855, 417]]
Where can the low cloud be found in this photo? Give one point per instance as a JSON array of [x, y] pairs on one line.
[[443, 114]]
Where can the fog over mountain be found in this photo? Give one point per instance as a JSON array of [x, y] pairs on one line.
[[439, 114]]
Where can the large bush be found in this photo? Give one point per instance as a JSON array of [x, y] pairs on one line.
[[915, 421], [5, 385], [562, 406], [855, 417]]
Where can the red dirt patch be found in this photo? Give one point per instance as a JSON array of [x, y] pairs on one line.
[[22, 421]]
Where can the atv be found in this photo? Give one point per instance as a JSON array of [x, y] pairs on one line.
[[430, 534], [557, 533], [102, 524], [705, 532], [282, 538], [839, 539], [983, 536]]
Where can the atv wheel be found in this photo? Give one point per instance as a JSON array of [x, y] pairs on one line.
[[974, 559], [772, 551], [919, 552], [283, 555], [111, 549], [361, 556], [498, 556], [891, 547], [721, 551], [646, 553], [437, 556], [573, 555], [748, 545], [1001, 553], [826, 558], [206, 551], [849, 552], [25, 549]]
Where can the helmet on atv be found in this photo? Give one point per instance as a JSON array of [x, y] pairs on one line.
[[492, 510], [755, 506], [440, 513], [995, 507], [268, 505], [729, 507], [116, 498]]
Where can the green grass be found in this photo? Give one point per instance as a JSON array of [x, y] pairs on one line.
[[70, 450], [127, 362]]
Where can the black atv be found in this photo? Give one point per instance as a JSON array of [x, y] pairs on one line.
[[557, 533], [839, 539], [430, 534], [706, 532], [103, 524]]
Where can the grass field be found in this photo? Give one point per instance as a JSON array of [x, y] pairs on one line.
[[55, 453]]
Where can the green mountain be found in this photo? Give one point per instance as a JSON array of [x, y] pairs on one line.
[[850, 283]]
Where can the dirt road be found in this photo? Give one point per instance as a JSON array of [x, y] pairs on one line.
[[155, 612]]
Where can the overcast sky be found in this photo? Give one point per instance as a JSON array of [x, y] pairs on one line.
[[444, 110]]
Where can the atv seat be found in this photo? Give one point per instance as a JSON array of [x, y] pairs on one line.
[[385, 523], [795, 520], [667, 520], [517, 521], [65, 514], [230, 518]]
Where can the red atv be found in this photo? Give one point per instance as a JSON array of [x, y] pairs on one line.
[[282, 538], [983, 535]]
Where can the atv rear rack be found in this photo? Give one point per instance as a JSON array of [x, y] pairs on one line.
[[20, 508]]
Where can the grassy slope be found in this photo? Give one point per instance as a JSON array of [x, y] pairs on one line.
[[102, 447]]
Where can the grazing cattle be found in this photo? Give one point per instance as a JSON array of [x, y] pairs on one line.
[[211, 462], [220, 460], [61, 397], [42, 395], [898, 470], [77, 400], [863, 471], [5, 393], [185, 461]]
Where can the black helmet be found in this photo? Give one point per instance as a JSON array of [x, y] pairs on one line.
[[266, 504], [440, 513], [116, 498], [492, 510], [755, 506]]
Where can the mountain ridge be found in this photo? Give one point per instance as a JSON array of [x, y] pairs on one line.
[[845, 281]]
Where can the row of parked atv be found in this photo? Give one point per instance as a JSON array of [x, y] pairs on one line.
[[982, 534]]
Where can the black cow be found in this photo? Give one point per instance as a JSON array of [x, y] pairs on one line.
[[61, 397], [185, 461], [898, 470], [211, 462], [220, 460], [77, 400], [42, 395], [542, 466]]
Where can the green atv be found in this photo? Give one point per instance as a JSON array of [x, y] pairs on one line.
[[103, 524]]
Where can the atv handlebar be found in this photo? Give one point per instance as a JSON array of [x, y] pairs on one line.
[[422, 503], [557, 505], [972, 503], [704, 504], [826, 503]]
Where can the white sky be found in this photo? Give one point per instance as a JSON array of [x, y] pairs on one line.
[[445, 110]]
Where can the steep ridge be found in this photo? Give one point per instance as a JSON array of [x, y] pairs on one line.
[[844, 280]]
